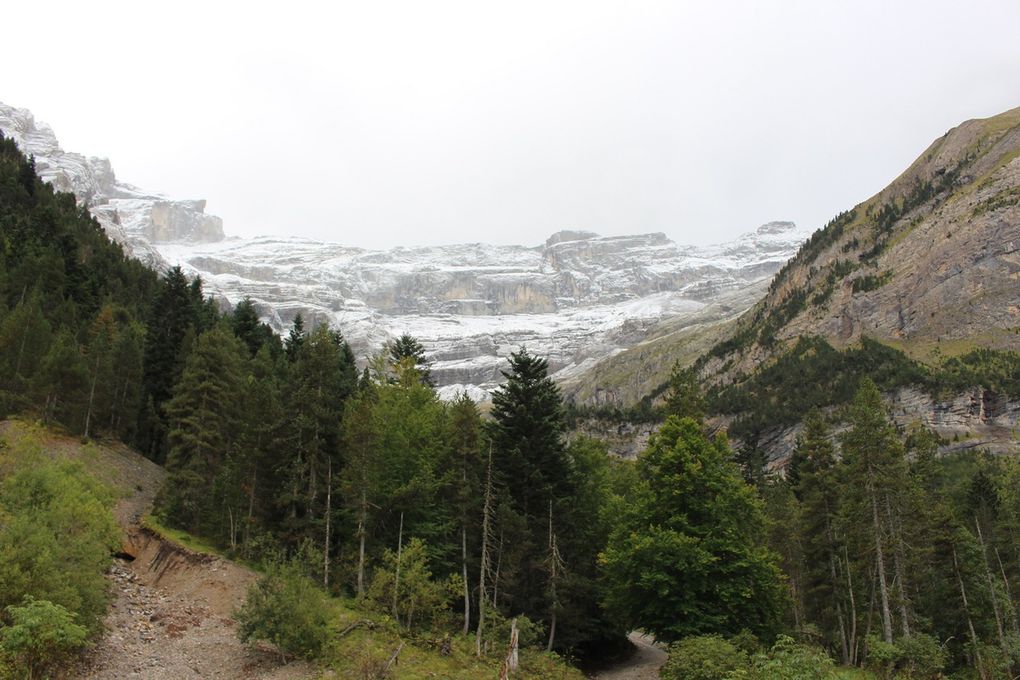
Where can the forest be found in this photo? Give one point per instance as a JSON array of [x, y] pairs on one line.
[[871, 557]]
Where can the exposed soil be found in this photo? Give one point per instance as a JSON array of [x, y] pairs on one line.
[[643, 664], [170, 617]]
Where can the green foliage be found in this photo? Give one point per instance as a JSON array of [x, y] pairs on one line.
[[918, 657], [40, 637], [407, 348], [285, 608], [204, 418], [788, 660], [687, 559], [683, 397], [811, 374], [403, 585], [997, 371], [56, 536], [703, 657], [870, 282]]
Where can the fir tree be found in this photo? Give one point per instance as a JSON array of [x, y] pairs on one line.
[[204, 420]]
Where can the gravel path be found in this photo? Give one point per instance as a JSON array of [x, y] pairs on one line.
[[644, 664]]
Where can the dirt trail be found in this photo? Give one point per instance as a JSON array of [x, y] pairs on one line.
[[644, 664], [170, 614]]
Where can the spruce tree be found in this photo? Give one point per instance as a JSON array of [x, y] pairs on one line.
[[407, 348], [204, 419], [533, 469]]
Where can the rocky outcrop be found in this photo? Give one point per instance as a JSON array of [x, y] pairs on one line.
[[976, 419], [135, 219], [577, 299]]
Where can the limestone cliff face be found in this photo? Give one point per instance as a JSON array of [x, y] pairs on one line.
[[135, 219], [578, 299], [931, 264]]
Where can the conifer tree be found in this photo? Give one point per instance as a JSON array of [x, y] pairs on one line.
[[532, 467], [174, 314], [408, 347], [204, 419]]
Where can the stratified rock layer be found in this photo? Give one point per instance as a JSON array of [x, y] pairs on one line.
[[577, 299]]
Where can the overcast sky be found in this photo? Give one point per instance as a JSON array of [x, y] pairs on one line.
[[381, 123]]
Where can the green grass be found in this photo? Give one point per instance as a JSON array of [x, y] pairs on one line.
[[181, 538]]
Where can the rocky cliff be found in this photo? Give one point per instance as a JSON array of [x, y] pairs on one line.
[[135, 219], [929, 266], [576, 299]]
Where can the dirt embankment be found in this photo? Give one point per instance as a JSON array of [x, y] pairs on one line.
[[170, 618], [170, 614]]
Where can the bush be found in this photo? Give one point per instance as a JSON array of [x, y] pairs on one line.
[[921, 656], [41, 636], [788, 660], [703, 657], [418, 597], [56, 538], [916, 657], [285, 608]]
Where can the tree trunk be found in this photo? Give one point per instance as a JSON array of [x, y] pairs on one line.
[[991, 586], [329, 508], [898, 569], [92, 398], [464, 574], [553, 569], [887, 628], [396, 577], [970, 622], [362, 519], [486, 516], [1009, 595]]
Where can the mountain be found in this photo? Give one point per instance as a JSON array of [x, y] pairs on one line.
[[929, 264], [134, 218], [916, 287], [577, 299]]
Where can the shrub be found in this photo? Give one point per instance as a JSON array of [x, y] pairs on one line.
[[788, 660], [703, 657], [285, 608], [418, 598], [41, 636], [56, 537]]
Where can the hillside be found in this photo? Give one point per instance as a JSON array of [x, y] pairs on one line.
[[915, 287], [929, 264]]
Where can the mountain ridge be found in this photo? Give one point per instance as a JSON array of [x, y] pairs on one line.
[[578, 298]]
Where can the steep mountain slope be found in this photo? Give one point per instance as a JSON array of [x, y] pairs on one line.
[[915, 287], [576, 299], [930, 264]]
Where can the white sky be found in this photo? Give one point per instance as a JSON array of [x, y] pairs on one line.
[[381, 123]]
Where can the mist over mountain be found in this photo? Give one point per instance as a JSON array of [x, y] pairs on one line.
[[576, 299]]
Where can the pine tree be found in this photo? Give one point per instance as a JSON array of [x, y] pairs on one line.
[[876, 486], [204, 421], [407, 347], [295, 338], [684, 398], [173, 316], [532, 468]]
